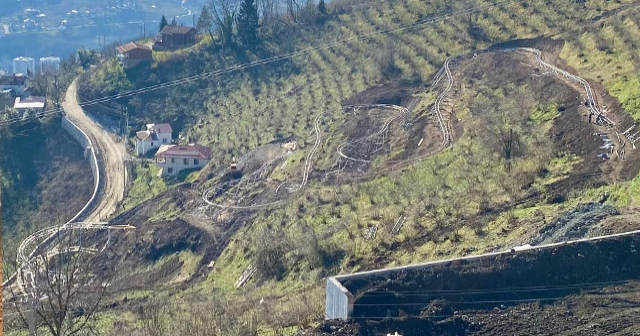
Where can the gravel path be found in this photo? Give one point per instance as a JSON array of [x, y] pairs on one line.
[[111, 155]]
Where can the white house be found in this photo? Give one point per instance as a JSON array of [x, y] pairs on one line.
[[173, 159], [153, 137], [30, 106], [14, 83]]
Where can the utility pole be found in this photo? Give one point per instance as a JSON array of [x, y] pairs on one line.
[[126, 122]]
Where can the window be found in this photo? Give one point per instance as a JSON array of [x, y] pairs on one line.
[[164, 140], [151, 143], [173, 160], [170, 170], [196, 162], [186, 161]]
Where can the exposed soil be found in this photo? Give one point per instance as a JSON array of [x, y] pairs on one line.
[[580, 289], [111, 155]]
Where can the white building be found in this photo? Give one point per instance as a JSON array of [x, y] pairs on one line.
[[173, 159], [16, 84], [50, 65], [30, 106], [24, 65], [153, 137]]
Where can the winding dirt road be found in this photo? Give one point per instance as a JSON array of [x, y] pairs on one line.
[[110, 154]]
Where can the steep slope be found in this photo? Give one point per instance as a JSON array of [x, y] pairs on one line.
[[467, 199]]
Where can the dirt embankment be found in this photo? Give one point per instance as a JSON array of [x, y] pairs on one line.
[[588, 288]]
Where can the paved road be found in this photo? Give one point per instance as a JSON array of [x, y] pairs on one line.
[[111, 155]]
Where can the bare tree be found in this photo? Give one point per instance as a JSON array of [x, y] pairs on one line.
[[223, 14], [65, 288]]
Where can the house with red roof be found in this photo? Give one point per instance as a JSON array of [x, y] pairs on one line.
[[173, 159], [172, 37], [132, 54]]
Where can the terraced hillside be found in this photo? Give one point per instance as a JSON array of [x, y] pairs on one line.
[[469, 198]]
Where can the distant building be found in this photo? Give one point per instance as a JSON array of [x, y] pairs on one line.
[[132, 54], [30, 106], [50, 65], [15, 85], [24, 65], [172, 37], [155, 136], [173, 159]]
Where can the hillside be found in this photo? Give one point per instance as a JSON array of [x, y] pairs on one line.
[[44, 188], [490, 152]]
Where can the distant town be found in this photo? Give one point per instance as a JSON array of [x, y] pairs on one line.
[[58, 31]]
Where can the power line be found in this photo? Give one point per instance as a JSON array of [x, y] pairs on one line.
[[498, 290], [419, 24]]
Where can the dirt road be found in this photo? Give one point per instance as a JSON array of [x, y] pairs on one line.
[[111, 155]]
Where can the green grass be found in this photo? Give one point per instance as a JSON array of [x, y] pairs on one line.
[[146, 184], [243, 110]]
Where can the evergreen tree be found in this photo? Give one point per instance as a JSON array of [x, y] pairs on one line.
[[173, 21], [205, 22], [322, 7], [163, 22], [247, 22]]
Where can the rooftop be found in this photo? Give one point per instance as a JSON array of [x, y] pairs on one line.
[[180, 30], [131, 46], [159, 128], [184, 151], [146, 136], [17, 79], [29, 102]]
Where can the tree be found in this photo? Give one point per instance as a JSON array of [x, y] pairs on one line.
[[67, 294], [322, 7], [224, 18], [247, 23], [163, 23], [173, 21], [86, 57], [205, 22]]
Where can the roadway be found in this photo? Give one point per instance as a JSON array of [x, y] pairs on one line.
[[110, 153]]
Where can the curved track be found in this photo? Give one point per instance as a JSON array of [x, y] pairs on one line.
[[31, 249]]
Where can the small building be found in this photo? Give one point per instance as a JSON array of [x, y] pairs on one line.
[[173, 37], [153, 137], [16, 83], [132, 54], [30, 106], [173, 159]]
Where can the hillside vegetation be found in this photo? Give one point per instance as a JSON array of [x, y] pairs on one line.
[[471, 197]]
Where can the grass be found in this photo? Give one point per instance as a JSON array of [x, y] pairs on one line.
[[146, 184], [243, 110]]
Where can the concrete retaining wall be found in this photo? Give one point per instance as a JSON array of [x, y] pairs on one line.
[[341, 290], [339, 301], [89, 153]]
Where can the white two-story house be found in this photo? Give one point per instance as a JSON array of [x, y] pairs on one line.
[[173, 159], [155, 136]]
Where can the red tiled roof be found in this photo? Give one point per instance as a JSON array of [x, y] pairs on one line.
[[180, 30], [131, 46], [159, 128], [182, 151]]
